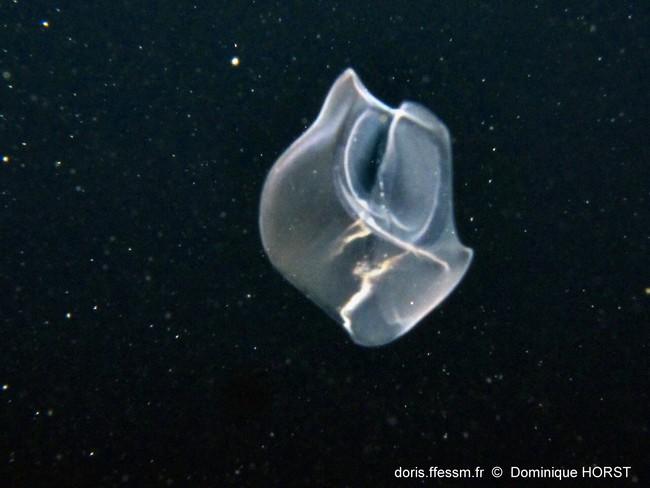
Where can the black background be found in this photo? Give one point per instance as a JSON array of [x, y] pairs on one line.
[[146, 340]]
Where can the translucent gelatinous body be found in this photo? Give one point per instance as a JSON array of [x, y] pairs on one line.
[[357, 214]]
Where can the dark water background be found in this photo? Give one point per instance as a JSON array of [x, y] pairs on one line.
[[146, 340]]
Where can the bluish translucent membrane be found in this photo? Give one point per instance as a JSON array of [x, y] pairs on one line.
[[357, 214]]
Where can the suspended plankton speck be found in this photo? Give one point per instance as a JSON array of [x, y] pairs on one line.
[[234, 61]]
